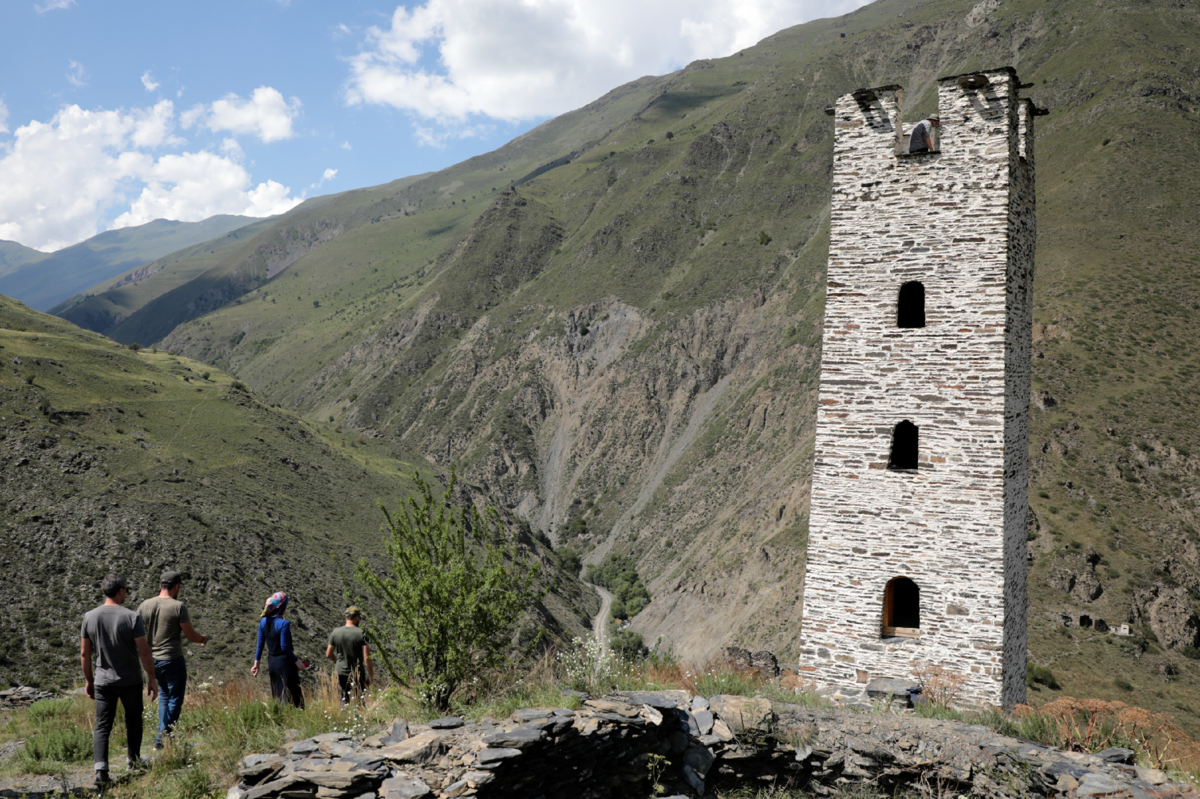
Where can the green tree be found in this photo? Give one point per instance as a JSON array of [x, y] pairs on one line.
[[456, 586]]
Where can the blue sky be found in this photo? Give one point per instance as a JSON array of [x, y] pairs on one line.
[[117, 112]]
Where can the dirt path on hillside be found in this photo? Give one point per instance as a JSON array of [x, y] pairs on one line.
[[600, 623]]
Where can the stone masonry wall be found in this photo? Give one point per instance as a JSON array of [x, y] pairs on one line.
[[960, 221], [1018, 360]]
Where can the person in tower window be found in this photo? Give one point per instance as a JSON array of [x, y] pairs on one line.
[[921, 140]]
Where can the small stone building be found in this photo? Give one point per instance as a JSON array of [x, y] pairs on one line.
[[916, 547]]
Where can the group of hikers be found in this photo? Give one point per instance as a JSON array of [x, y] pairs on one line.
[[124, 644]]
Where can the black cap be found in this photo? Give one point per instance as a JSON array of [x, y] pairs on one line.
[[170, 577]]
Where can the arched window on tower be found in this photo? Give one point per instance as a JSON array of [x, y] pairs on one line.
[[910, 307], [901, 609], [904, 447]]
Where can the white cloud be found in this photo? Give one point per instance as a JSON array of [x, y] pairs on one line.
[[329, 175], [231, 148], [64, 177], [78, 76], [194, 186], [445, 60], [346, 146], [438, 136], [265, 115], [150, 83], [52, 5], [340, 30], [3, 117]]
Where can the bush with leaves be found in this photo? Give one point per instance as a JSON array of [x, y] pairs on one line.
[[456, 585], [618, 573], [628, 645]]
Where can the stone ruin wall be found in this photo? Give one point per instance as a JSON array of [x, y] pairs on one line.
[[961, 222]]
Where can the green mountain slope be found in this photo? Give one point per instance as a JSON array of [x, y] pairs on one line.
[[14, 255], [624, 347], [137, 460], [107, 304], [344, 241], [53, 278]]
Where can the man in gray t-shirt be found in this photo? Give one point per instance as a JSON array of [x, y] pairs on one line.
[[117, 637], [921, 140]]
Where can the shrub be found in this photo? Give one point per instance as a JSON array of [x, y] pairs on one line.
[[628, 645], [238, 385], [940, 686], [1040, 675], [589, 666], [70, 745], [45, 709], [1123, 684], [569, 561], [618, 573], [455, 587]]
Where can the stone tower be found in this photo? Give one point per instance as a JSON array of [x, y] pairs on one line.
[[917, 532]]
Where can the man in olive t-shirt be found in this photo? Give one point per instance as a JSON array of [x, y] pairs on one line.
[[167, 622], [348, 646]]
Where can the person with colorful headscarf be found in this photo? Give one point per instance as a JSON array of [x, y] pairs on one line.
[[283, 664]]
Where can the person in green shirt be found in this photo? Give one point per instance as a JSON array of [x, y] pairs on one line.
[[167, 623], [348, 646]]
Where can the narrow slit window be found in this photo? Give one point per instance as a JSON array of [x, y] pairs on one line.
[[901, 608], [910, 307], [904, 446]]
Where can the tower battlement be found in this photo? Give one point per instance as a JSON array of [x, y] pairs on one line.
[[920, 482]]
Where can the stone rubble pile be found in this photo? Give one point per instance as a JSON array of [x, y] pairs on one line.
[[22, 696], [691, 746]]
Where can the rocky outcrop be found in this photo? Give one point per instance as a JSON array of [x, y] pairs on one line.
[[634, 744], [1076, 575], [1168, 612]]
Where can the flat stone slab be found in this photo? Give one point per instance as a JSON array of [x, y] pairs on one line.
[[888, 687], [660, 701], [740, 712], [446, 723], [610, 706], [404, 788], [488, 757], [423, 748], [519, 738]]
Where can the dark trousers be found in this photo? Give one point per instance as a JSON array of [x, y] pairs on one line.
[[172, 684], [107, 696], [352, 685], [285, 679]]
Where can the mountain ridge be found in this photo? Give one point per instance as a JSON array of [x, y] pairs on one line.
[[45, 281]]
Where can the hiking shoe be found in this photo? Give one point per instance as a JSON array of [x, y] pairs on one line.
[[102, 780], [141, 764]]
